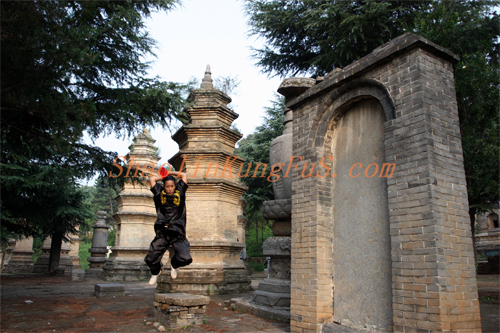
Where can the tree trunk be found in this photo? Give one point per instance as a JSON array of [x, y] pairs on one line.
[[111, 203], [257, 237], [55, 251], [3, 258], [472, 215], [262, 234]]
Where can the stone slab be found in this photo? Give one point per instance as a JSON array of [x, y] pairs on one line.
[[262, 311], [182, 299], [109, 290], [109, 287], [336, 328]]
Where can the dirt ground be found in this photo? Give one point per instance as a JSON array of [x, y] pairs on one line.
[[57, 304]]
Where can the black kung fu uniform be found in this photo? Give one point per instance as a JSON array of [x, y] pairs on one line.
[[170, 228]]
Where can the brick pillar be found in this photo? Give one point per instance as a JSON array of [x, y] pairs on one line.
[[434, 278]]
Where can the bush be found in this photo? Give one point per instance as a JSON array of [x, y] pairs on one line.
[[257, 267], [83, 253], [254, 249]]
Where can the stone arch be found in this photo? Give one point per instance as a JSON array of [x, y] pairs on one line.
[[340, 100]]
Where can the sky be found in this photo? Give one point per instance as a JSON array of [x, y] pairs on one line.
[[192, 36]]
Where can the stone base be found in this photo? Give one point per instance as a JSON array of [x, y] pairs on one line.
[[109, 290], [121, 269], [67, 263], [179, 310], [20, 262], [209, 281], [336, 328], [42, 264], [259, 310], [58, 271], [77, 275], [273, 292], [94, 273]]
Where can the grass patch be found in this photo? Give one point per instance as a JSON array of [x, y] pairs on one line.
[[83, 253], [257, 267]]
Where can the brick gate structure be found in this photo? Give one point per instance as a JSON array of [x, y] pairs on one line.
[[376, 247]]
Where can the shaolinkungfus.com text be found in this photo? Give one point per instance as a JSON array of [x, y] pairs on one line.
[[276, 171]]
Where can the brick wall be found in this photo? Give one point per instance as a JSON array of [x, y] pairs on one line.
[[433, 275]]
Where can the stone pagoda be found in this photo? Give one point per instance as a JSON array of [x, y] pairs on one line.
[[21, 260], [135, 217], [213, 199]]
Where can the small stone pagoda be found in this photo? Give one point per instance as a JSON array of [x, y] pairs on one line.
[[135, 217], [21, 260], [213, 199]]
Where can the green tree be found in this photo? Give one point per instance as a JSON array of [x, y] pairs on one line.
[[314, 37], [255, 149], [70, 67], [101, 197]]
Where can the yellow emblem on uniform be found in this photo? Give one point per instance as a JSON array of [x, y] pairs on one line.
[[177, 198], [163, 197]]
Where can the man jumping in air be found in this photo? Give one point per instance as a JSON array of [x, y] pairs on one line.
[[170, 225]]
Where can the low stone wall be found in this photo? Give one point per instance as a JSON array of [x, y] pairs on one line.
[[179, 309]]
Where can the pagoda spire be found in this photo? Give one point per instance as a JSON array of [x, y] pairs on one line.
[[206, 83]]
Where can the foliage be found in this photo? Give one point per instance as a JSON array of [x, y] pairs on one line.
[[70, 67], [83, 253], [255, 149], [37, 247], [5, 235], [254, 248], [101, 197], [257, 267], [317, 36], [469, 30], [314, 37]]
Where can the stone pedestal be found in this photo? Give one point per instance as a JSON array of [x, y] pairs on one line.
[[179, 310], [99, 248], [65, 260], [212, 199], [21, 260], [136, 215], [275, 290]]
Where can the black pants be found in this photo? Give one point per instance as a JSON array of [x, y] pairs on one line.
[[163, 239]]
